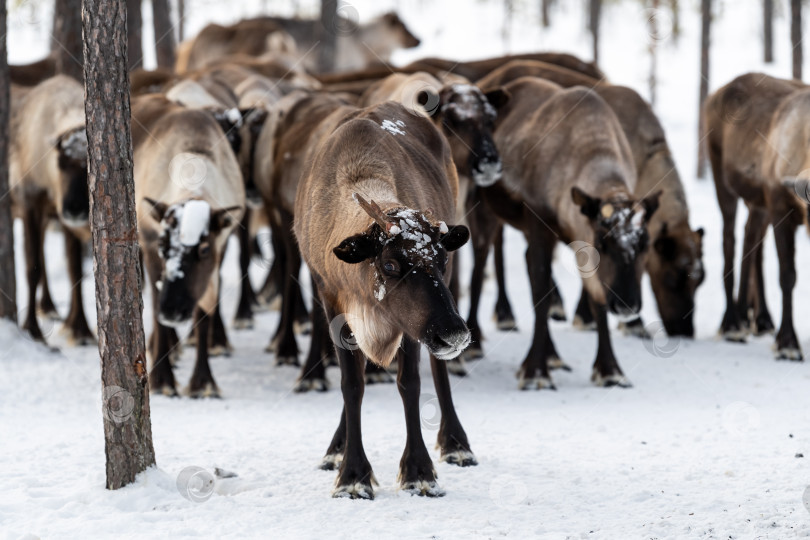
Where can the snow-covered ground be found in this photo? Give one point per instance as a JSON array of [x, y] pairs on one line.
[[707, 444]]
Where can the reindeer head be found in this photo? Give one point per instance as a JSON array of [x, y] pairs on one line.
[[467, 118], [621, 239], [676, 270], [71, 147], [408, 251], [188, 246]]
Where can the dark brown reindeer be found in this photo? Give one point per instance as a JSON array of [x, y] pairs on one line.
[[379, 259], [757, 148], [189, 195], [569, 176], [48, 168]]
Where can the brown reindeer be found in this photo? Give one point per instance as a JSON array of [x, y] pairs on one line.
[[356, 45], [48, 172], [756, 142], [189, 195], [371, 214], [569, 176]]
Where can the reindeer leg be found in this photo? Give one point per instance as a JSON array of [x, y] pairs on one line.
[[33, 239], [161, 376], [504, 318], [76, 323], [302, 323], [334, 454], [534, 372], [287, 349], [557, 309], [731, 328], [606, 370], [452, 439], [244, 311], [355, 477], [416, 472], [481, 236], [784, 221], [46, 305], [202, 381], [269, 297], [313, 374], [218, 336], [583, 319], [377, 374], [756, 217], [763, 323]]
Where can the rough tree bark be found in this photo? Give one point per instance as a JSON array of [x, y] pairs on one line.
[[705, 36], [164, 33], [767, 30], [8, 282], [125, 394], [134, 34], [796, 36], [66, 44], [594, 16], [329, 29]]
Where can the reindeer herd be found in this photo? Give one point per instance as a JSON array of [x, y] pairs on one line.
[[374, 176]]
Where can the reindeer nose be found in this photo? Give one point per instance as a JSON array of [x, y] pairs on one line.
[[623, 310]]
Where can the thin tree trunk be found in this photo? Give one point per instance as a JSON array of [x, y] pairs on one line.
[[181, 20], [796, 36], [767, 29], [164, 33], [134, 34], [675, 7], [594, 16], [125, 394], [8, 282], [330, 26], [705, 40], [545, 8], [67, 38], [653, 30]]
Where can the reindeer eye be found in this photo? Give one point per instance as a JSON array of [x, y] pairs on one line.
[[391, 267], [204, 250]]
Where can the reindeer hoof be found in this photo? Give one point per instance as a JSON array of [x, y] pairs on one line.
[[287, 361], [580, 324], [554, 362], [166, 390], [557, 313], [379, 377], [634, 328], [220, 350], [614, 379], [358, 490], [302, 327], [735, 335], [331, 462], [462, 458], [423, 488], [210, 390], [506, 325], [51, 314], [534, 383], [81, 341], [305, 385], [456, 366], [789, 353], [473, 352], [243, 324]]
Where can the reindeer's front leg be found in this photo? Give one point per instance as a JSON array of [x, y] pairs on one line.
[[202, 381], [76, 322], [606, 370], [785, 221], [452, 439]]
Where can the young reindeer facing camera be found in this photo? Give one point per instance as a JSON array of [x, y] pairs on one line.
[[369, 219]]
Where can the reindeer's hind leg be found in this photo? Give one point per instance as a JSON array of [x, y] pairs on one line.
[[452, 439], [606, 370], [269, 296], [583, 319], [202, 381], [763, 323], [218, 336], [482, 223], [504, 318], [46, 305], [753, 234], [76, 323], [785, 218], [416, 472], [731, 328], [244, 311], [313, 374], [286, 346]]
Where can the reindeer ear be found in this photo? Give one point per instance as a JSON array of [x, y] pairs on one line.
[[650, 205], [498, 97], [700, 232], [456, 237], [223, 218], [666, 247], [358, 248], [589, 206], [158, 209]]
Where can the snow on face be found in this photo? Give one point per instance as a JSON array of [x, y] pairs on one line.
[[74, 145], [468, 103], [181, 234], [626, 227], [394, 127]]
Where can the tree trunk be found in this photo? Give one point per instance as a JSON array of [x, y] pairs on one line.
[[181, 20], [66, 44], [653, 29], [330, 26], [767, 29], [545, 8], [594, 15], [125, 394], [796, 36], [506, 29], [705, 36], [8, 282], [164, 33], [134, 35]]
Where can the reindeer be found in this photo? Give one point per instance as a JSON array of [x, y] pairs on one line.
[[48, 172], [759, 170], [569, 176], [466, 117], [371, 214], [189, 195]]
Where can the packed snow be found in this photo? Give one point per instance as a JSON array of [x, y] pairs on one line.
[[712, 441]]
